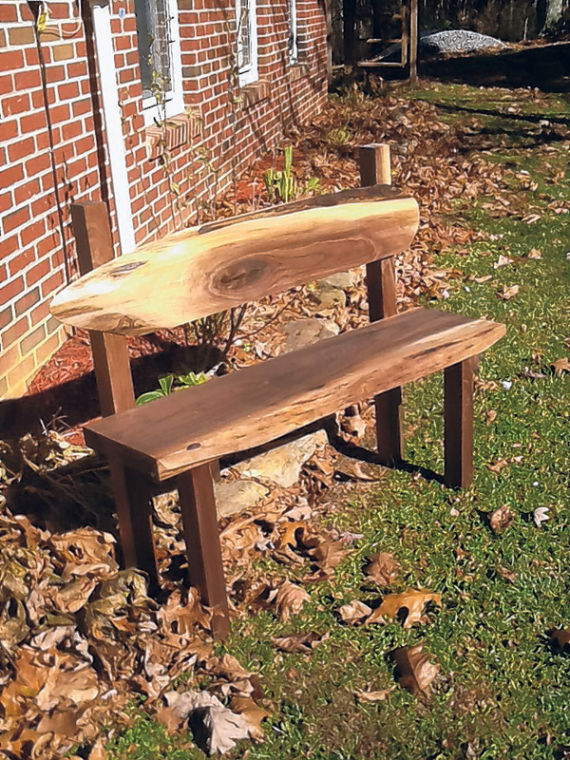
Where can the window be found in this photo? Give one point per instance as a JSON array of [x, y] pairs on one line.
[[159, 57], [293, 47], [246, 25]]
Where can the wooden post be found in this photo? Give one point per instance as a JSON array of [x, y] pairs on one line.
[[405, 21], [381, 285], [199, 518], [132, 494], [458, 424], [413, 42], [349, 31], [110, 352]]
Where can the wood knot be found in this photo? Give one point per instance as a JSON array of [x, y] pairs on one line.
[[240, 274]]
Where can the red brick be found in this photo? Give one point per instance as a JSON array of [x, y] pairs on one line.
[[27, 301], [68, 91], [24, 80], [16, 104], [15, 332], [21, 149], [53, 282], [6, 316], [37, 164], [31, 232], [8, 13], [39, 313], [37, 272], [21, 261], [16, 218]]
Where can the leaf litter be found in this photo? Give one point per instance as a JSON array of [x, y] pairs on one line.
[[78, 637]]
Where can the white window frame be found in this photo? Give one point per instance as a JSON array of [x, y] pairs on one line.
[[173, 99], [248, 74], [294, 30]]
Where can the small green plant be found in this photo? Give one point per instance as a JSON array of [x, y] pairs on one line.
[[282, 186], [170, 383]]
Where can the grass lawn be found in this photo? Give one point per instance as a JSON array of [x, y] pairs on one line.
[[503, 690]]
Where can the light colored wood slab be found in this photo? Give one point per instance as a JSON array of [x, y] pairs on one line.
[[190, 275], [262, 402]]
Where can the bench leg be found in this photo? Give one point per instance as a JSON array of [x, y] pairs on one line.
[[389, 435], [205, 569], [133, 501], [458, 423]]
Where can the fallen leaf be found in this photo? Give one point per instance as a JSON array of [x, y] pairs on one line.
[[483, 278], [411, 600], [299, 642], [534, 253], [540, 515], [216, 728], [507, 575], [288, 533], [490, 417], [354, 612], [562, 639], [501, 519], [382, 568], [253, 713], [290, 600], [497, 466], [372, 696], [502, 261], [560, 366], [414, 671], [508, 291]]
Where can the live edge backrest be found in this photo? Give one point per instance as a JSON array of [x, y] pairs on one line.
[[200, 271]]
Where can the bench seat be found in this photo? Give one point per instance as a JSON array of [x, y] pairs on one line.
[[260, 403]]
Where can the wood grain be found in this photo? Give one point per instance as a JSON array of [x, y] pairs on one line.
[[94, 244], [458, 423], [188, 276], [264, 401], [200, 523], [381, 287]]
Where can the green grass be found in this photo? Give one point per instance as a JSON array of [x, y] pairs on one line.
[[503, 692]]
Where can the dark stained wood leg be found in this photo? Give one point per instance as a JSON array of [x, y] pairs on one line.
[[133, 502], [200, 521], [458, 424], [389, 426], [381, 284]]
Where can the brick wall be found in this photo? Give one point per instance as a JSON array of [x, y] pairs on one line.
[[222, 130]]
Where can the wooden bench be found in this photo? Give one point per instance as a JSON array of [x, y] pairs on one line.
[[200, 271]]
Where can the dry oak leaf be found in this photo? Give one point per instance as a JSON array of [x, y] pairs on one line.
[[289, 600], [252, 712], [354, 612], [562, 639], [220, 728], [501, 519], [299, 642], [414, 671], [326, 552], [411, 600], [560, 366], [508, 291], [288, 533], [373, 696], [382, 568]]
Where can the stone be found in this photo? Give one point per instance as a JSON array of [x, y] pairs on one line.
[[282, 465], [342, 280], [234, 496], [323, 296], [303, 332]]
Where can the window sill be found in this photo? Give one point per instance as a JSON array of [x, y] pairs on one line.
[[298, 70], [173, 133], [255, 92]]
